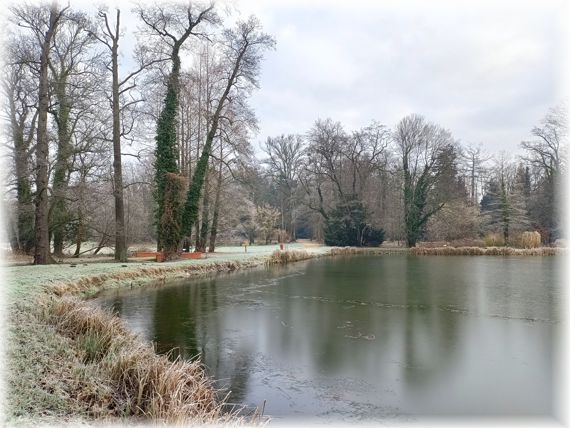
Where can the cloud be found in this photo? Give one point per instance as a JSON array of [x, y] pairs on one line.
[[486, 72]]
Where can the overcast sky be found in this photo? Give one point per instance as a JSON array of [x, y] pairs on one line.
[[486, 72]]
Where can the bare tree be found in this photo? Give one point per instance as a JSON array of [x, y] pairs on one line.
[[20, 93], [284, 162], [546, 151], [109, 34], [474, 164], [233, 151], [547, 155], [327, 139], [503, 208], [74, 80], [243, 49], [43, 23]]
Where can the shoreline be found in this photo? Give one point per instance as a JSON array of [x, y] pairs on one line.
[[59, 346], [68, 362]]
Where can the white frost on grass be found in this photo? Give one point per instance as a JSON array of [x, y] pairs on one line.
[[23, 280]]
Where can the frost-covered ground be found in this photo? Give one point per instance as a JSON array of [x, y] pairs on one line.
[[21, 280]]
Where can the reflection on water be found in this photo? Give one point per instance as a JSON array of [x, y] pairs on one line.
[[351, 338]]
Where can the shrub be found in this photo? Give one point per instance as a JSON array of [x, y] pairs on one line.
[[373, 237], [346, 226], [530, 240], [494, 240]]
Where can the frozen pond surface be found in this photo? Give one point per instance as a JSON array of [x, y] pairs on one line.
[[367, 337]]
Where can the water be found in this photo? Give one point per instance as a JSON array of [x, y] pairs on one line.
[[367, 337]]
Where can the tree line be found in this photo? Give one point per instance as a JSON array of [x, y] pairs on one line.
[[414, 182], [109, 148]]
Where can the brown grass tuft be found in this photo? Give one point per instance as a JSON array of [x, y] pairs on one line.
[[145, 384], [279, 257]]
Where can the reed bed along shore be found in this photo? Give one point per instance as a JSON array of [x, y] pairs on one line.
[[340, 251], [485, 251]]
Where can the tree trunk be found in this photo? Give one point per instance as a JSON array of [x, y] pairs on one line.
[[58, 211], [120, 230], [24, 233], [78, 242], [41, 252], [205, 218], [198, 235], [214, 230]]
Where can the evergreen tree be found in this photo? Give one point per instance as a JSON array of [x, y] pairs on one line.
[[346, 226], [503, 207]]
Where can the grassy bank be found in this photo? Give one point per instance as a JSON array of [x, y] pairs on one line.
[[68, 362]]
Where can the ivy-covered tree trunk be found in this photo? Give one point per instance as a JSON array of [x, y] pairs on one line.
[[59, 215], [173, 203], [415, 203], [165, 153], [197, 234], [25, 207]]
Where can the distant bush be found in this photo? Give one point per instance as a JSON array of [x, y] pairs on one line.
[[529, 240], [372, 237], [347, 227], [494, 240]]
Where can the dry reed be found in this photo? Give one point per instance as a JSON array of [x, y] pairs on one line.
[[530, 240], [489, 251], [341, 251], [279, 257], [494, 240], [146, 384]]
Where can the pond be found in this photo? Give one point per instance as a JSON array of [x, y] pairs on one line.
[[367, 337]]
